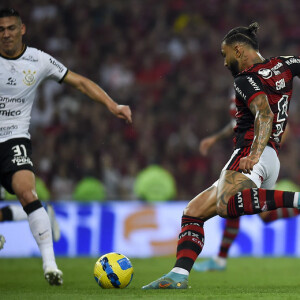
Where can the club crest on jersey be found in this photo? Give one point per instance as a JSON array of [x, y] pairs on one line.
[[265, 73], [29, 78]]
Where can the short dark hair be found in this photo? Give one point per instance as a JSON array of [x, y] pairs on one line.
[[243, 34], [9, 12]]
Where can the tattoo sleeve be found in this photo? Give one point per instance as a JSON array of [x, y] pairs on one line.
[[262, 123]]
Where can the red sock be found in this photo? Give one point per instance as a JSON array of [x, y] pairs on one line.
[[253, 201], [281, 213], [231, 230], [190, 242]]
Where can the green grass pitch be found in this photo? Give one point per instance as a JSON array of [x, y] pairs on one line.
[[245, 278]]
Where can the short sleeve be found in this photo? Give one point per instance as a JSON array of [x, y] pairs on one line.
[[52, 68], [247, 87], [293, 63]]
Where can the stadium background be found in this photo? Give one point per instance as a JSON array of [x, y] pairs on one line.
[[163, 59]]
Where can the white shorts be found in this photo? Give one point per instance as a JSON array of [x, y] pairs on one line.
[[265, 172]]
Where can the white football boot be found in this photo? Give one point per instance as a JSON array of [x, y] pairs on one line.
[[54, 276]]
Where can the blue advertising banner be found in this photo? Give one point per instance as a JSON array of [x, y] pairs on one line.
[[139, 230]]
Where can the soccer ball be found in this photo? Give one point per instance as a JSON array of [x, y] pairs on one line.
[[113, 270]]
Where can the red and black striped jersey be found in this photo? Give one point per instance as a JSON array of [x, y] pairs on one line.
[[232, 106], [273, 77]]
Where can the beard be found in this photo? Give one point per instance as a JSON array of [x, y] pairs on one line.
[[234, 68]]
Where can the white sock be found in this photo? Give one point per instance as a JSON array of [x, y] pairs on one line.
[[180, 271], [18, 213], [41, 230]]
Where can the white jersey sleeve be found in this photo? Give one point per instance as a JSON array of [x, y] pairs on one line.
[[52, 68]]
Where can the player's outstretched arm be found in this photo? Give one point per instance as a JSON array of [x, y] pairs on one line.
[[208, 142], [95, 92]]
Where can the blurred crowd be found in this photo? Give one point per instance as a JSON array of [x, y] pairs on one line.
[[163, 59]]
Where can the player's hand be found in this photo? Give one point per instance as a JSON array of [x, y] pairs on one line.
[[123, 112], [247, 163], [206, 144]]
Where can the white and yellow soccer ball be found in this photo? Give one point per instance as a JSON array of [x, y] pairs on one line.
[[113, 270]]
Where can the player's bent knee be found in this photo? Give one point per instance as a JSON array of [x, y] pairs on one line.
[[193, 211], [198, 210], [222, 209]]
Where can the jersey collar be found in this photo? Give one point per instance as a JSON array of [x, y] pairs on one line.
[[16, 57], [254, 65]]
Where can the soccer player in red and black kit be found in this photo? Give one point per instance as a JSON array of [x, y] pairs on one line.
[[231, 228], [263, 89]]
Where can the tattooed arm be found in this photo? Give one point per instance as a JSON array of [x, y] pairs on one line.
[[262, 131]]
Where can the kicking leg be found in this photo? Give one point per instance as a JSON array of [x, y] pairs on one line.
[[238, 195], [190, 241]]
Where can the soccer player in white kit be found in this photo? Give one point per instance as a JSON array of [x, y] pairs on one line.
[[22, 70]]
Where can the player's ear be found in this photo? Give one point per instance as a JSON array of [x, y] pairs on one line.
[[238, 50]]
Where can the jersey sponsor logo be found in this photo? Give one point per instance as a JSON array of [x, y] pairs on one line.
[[30, 58], [22, 160], [7, 130], [265, 73], [12, 127], [276, 67], [11, 81], [10, 113], [293, 60], [29, 78], [239, 91], [12, 100], [56, 64], [6, 133], [280, 84], [253, 83]]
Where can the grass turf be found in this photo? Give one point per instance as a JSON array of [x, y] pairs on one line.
[[245, 278]]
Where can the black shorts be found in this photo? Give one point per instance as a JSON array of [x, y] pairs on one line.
[[15, 155]]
